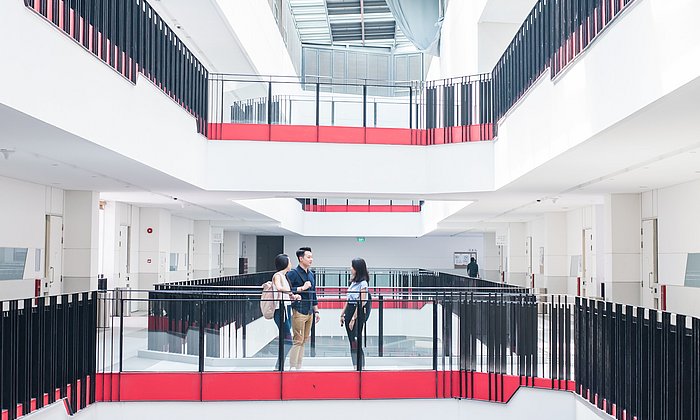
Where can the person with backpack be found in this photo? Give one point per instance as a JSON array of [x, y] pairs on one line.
[[281, 291], [356, 310]]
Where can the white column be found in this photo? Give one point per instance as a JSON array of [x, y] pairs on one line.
[[232, 242], [154, 246], [516, 255], [202, 249], [556, 268], [488, 266], [80, 241], [622, 247]]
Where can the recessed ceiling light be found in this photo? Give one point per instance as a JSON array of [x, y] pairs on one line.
[[643, 187], [55, 183]]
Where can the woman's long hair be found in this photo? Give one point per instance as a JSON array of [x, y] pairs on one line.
[[361, 272]]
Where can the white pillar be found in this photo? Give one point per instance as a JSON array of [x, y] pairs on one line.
[[516, 255], [207, 241], [622, 247], [556, 268], [488, 266], [154, 246], [80, 241], [232, 242]]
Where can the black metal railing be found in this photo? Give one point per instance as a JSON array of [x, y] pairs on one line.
[[132, 38], [451, 111], [630, 362], [47, 352], [553, 34], [637, 363], [360, 205]]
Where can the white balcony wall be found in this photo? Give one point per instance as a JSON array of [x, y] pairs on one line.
[[648, 52]]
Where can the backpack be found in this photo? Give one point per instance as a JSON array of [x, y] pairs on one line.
[[368, 305], [267, 302]]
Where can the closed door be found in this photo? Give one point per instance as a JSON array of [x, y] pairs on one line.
[[267, 248], [190, 257], [53, 267], [123, 252], [650, 278]]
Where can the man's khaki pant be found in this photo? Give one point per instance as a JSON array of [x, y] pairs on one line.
[[301, 330]]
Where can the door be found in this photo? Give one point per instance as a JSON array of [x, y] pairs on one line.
[[501, 263], [53, 265], [216, 259], [528, 257], [588, 280], [267, 248], [190, 257], [650, 257], [123, 252]]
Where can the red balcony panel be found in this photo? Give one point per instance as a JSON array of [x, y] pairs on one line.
[[259, 132], [406, 384], [294, 133], [159, 387], [321, 385], [347, 135], [402, 136], [361, 208], [241, 386], [350, 135]]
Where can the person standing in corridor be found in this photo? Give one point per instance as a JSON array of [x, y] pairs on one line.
[[473, 269], [305, 310]]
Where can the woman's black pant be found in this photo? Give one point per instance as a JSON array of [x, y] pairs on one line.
[[355, 334]]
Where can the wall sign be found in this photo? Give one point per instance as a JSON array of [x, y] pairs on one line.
[[462, 259]]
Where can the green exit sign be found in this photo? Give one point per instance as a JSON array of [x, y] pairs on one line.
[[360, 239]]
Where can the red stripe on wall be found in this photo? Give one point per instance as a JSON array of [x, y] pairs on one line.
[[405, 384], [349, 135], [361, 208], [401, 136], [293, 133], [345, 135], [159, 387], [246, 386], [241, 386], [322, 386]]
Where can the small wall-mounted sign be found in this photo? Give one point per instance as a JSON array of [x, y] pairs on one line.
[[360, 239]]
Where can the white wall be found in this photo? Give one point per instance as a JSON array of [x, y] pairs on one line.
[[459, 39], [232, 250], [384, 169], [677, 209], [257, 31], [179, 229], [80, 241], [430, 252], [249, 249], [22, 225], [653, 44], [81, 88]]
